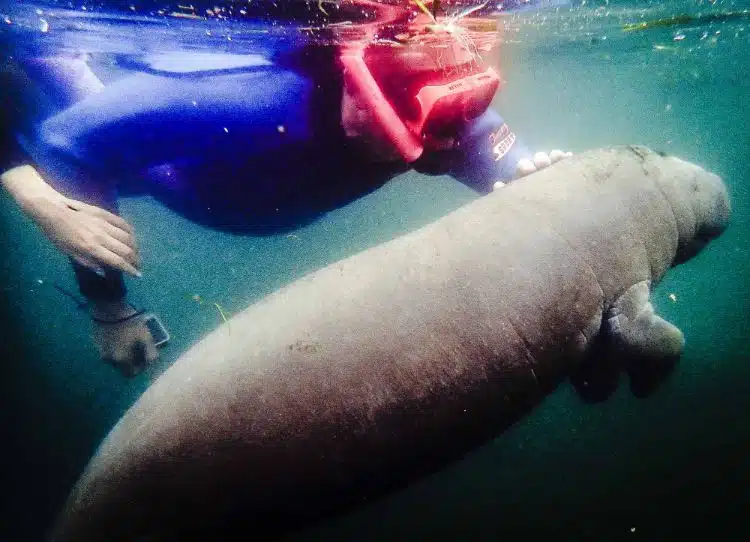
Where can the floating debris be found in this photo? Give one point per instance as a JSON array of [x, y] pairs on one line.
[[221, 313], [659, 47], [80, 303], [198, 299], [685, 19]]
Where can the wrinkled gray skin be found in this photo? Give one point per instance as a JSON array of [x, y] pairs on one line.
[[390, 364]]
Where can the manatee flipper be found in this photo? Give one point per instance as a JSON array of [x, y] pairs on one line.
[[649, 345]]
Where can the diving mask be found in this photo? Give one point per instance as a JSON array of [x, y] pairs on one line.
[[416, 93]]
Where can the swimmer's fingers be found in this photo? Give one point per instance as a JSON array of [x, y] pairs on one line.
[[87, 263], [112, 234], [111, 218], [123, 236], [96, 262], [524, 167], [105, 256], [556, 155], [116, 241], [121, 242], [540, 160], [122, 251]]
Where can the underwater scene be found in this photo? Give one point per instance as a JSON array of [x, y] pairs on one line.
[[375, 270]]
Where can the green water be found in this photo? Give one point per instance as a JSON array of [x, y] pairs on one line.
[[655, 468]]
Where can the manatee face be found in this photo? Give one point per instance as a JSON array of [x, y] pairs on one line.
[[700, 203]]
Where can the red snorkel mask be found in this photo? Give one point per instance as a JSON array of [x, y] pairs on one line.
[[414, 91]]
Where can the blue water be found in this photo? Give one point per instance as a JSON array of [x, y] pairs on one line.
[[651, 469]]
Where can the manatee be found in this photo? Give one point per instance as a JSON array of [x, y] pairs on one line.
[[389, 365]]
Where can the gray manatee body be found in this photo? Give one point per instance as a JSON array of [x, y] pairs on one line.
[[388, 365]]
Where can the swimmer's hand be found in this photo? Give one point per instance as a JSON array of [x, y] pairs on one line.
[[540, 161], [92, 236], [122, 338]]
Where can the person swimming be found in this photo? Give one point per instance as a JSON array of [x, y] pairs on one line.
[[254, 142]]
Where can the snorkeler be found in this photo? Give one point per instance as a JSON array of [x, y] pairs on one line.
[[228, 138]]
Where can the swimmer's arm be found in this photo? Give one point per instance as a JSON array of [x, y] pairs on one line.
[[92, 236], [486, 152], [29, 190], [489, 155]]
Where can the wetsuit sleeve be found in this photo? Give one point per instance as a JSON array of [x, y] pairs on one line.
[[76, 181], [17, 101], [106, 287], [25, 103], [486, 152]]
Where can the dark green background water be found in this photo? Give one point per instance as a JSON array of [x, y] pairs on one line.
[[671, 465]]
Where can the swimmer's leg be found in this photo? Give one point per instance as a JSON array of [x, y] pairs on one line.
[[146, 120]]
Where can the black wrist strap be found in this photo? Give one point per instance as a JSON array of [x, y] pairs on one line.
[[119, 320]]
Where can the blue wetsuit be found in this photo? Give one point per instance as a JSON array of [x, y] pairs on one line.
[[256, 141]]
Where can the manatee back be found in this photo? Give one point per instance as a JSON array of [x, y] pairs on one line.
[[610, 209]]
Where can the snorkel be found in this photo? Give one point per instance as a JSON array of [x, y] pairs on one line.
[[411, 80]]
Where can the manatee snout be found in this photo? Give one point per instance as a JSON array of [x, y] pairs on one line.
[[712, 205], [706, 210]]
